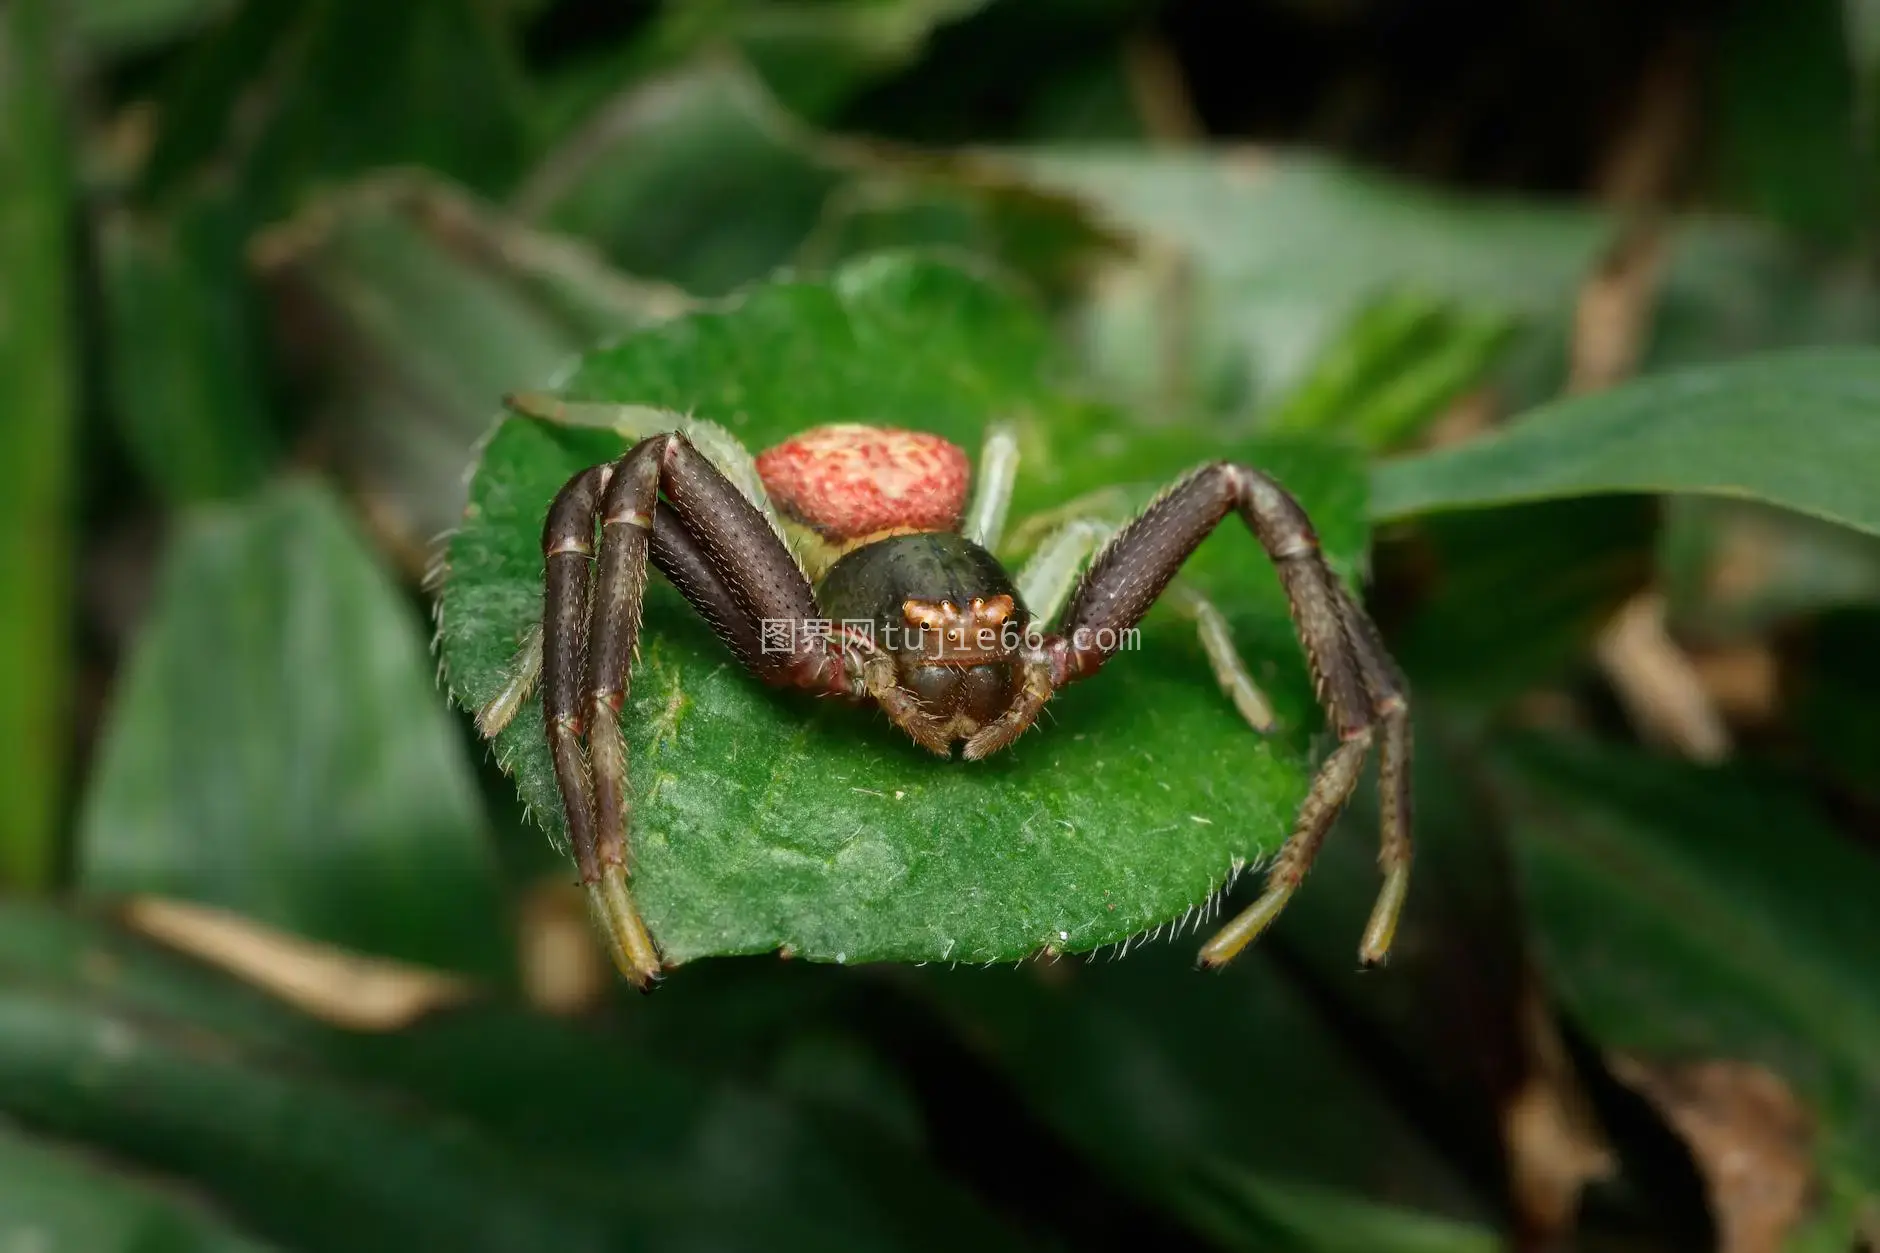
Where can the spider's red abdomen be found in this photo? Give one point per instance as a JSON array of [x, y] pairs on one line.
[[849, 481]]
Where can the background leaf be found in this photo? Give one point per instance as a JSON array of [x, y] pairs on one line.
[[187, 388], [1106, 1051], [814, 58], [339, 1141], [56, 1200], [1324, 1221], [127, 27], [1317, 240], [36, 445], [1179, 313], [338, 87], [1788, 142], [410, 308], [1748, 920], [660, 171], [1796, 429], [277, 747]]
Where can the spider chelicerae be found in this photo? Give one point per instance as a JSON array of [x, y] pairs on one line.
[[857, 561]]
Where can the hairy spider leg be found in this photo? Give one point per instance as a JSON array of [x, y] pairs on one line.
[[677, 554], [519, 680], [715, 547], [568, 550], [1217, 643], [1364, 696], [1050, 575], [633, 423]]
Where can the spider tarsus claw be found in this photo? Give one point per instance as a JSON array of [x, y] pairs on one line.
[[628, 942], [1374, 949], [1246, 926], [1254, 710], [494, 717]]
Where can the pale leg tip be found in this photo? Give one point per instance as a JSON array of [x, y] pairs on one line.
[[1381, 930], [1246, 927], [1258, 714], [627, 939], [490, 721], [501, 709]]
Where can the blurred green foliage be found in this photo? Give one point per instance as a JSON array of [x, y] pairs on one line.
[[37, 358], [266, 270]]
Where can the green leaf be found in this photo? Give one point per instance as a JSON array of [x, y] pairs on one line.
[[1397, 367], [939, 202], [186, 383], [1312, 241], [116, 28], [448, 1134], [276, 746], [814, 58], [411, 307], [1165, 1081], [1256, 1214], [1328, 229], [295, 93], [1517, 596], [1688, 914], [700, 178], [56, 1200], [695, 177], [1788, 138], [766, 821], [36, 444], [1796, 429], [1734, 568], [1862, 21], [1734, 288], [1192, 313]]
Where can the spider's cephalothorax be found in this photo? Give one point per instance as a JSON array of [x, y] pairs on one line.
[[850, 561], [946, 612]]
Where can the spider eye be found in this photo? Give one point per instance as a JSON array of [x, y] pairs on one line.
[[992, 613], [927, 616]]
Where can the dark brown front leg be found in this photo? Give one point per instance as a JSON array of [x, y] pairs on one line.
[[626, 516], [724, 558], [1364, 696], [568, 552]]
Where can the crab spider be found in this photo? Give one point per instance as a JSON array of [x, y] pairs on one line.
[[873, 531]]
